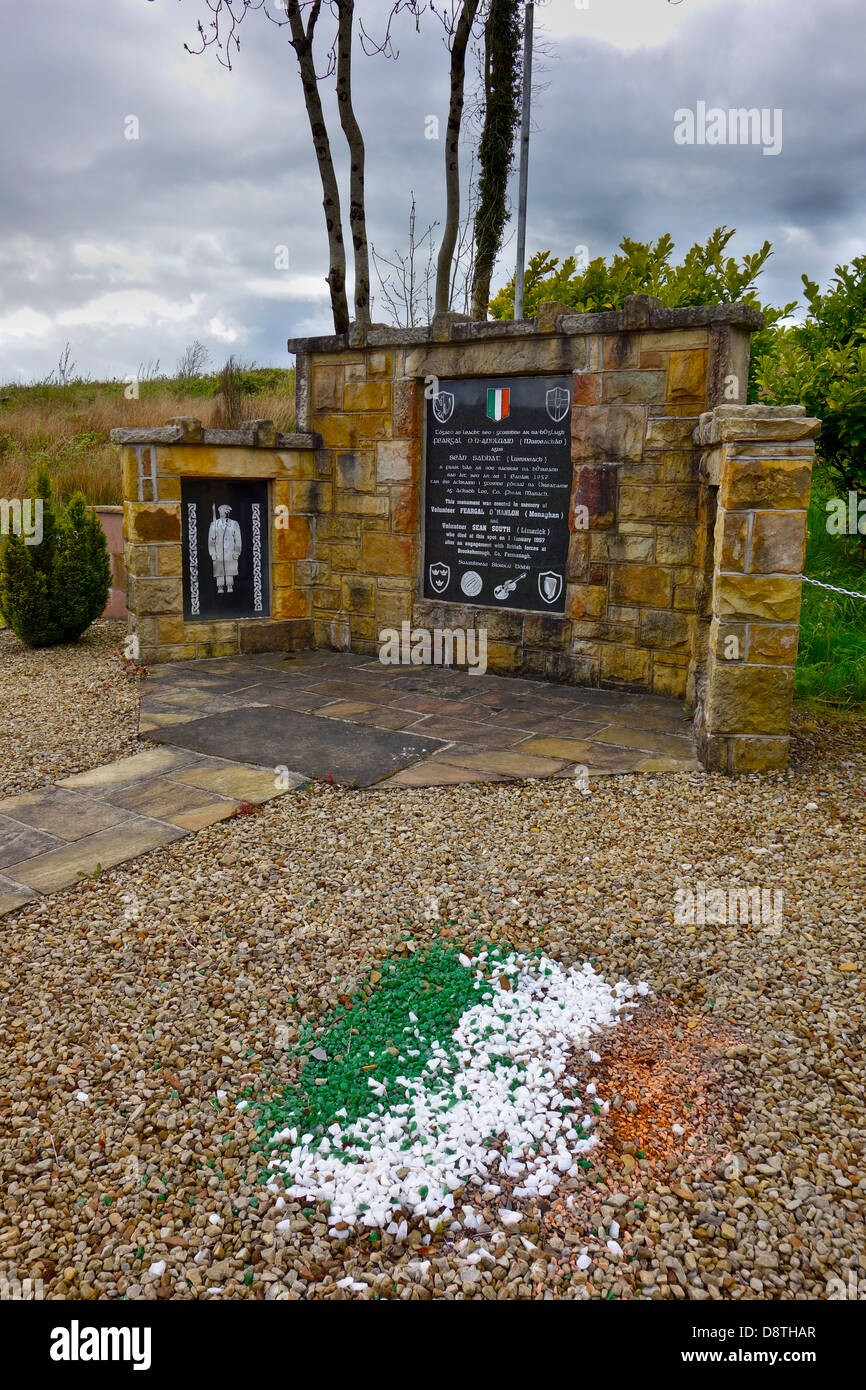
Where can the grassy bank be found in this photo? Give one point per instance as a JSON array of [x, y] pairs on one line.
[[67, 425], [831, 664]]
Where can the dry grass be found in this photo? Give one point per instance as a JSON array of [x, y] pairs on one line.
[[67, 428]]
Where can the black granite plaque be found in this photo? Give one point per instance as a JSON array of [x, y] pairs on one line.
[[497, 493], [224, 523]]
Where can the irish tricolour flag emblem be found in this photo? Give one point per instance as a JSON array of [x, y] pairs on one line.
[[497, 403]]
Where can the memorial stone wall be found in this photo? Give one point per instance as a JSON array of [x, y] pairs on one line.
[[588, 489]]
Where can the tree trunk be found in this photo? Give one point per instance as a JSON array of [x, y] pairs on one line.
[[496, 147], [302, 43], [462, 35], [355, 141]]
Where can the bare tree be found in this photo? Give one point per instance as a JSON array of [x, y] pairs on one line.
[[458, 26], [405, 283], [194, 360]]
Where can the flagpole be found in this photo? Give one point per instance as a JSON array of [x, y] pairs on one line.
[[524, 159]]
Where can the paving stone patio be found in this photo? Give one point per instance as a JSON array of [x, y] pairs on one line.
[[318, 714]]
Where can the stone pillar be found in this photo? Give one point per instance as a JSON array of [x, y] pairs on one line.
[[757, 467]]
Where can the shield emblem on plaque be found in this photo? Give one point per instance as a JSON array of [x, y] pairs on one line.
[[443, 405], [439, 576], [557, 402], [550, 586]]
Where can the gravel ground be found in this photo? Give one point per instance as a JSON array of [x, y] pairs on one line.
[[730, 1165], [63, 709]]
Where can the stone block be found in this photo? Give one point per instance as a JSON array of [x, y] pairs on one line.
[[168, 488], [731, 536], [765, 484], [345, 556], [293, 539], [748, 699], [594, 488], [392, 609], [327, 386], [338, 431], [143, 522], [212, 650], [640, 386], [405, 509], [621, 351], [383, 554], [356, 472], [669, 681], [585, 601], [406, 401], [137, 558], [267, 635], [311, 496], [587, 388], [625, 664], [337, 528], [607, 433], [687, 375], [207, 632], [773, 643], [290, 603], [669, 432], [728, 641], [636, 550], [380, 365], [757, 754], [170, 630], [366, 395], [661, 627], [676, 545], [646, 586], [373, 425], [778, 543], [360, 504], [658, 502], [326, 597], [394, 461], [155, 596], [358, 595], [577, 563], [504, 656], [547, 632], [745, 597], [677, 340]]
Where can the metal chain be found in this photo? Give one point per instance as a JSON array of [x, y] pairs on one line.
[[849, 593]]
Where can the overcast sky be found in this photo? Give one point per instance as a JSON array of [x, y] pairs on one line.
[[129, 249]]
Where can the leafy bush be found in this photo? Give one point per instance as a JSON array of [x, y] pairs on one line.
[[821, 364], [831, 659], [53, 591], [705, 276]]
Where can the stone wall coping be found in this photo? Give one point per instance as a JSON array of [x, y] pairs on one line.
[[639, 311], [726, 423], [254, 434]]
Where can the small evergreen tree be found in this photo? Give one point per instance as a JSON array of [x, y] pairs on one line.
[[53, 591]]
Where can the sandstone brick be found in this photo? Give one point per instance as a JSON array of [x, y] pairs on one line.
[[406, 400], [358, 595], [394, 461], [504, 656], [129, 473], [380, 364], [187, 652], [748, 699], [170, 630], [211, 650], [292, 541], [607, 631], [290, 603], [356, 472], [669, 432], [676, 545], [621, 350], [548, 632], [206, 632], [169, 560], [151, 523], [673, 340], [577, 564], [728, 641], [327, 387], [137, 558], [644, 585], [765, 483], [267, 635], [405, 508], [669, 681], [156, 596], [779, 543], [662, 502], [755, 597], [661, 627], [758, 754], [221, 461], [594, 488], [360, 504], [685, 596], [168, 489], [607, 433], [338, 431], [608, 545], [640, 386], [587, 388], [283, 574], [626, 664], [363, 627], [337, 528], [373, 425], [731, 535], [773, 643], [585, 601], [366, 395], [345, 556], [687, 375], [383, 554], [312, 572], [311, 496], [327, 598], [392, 609]]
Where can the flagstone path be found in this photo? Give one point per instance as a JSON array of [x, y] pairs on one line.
[[245, 729]]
